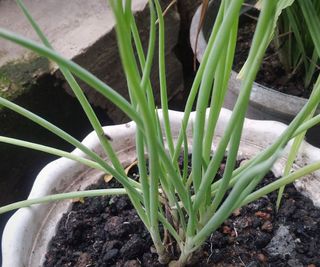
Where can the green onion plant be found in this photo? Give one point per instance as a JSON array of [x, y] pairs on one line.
[[294, 42], [196, 202]]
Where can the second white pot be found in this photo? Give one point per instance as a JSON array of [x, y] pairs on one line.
[[272, 103]]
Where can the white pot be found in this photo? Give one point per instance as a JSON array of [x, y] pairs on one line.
[[274, 104], [29, 230]]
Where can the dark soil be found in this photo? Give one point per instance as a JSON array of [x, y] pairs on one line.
[[271, 73], [106, 231]]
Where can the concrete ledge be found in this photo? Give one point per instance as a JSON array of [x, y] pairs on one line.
[[83, 31], [71, 26]]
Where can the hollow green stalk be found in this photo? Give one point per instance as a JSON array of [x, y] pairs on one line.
[[219, 91], [226, 207], [259, 44], [62, 196], [291, 131], [145, 65], [281, 182], [195, 86], [52, 151], [83, 101], [129, 65], [162, 77], [79, 95], [124, 180], [204, 91], [217, 100], [291, 157], [131, 71]]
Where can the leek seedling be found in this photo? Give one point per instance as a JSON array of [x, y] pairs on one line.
[[195, 213]]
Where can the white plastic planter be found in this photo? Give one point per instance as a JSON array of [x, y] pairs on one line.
[[28, 232], [273, 103]]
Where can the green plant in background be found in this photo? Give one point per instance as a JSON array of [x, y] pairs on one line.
[[294, 43], [197, 203], [302, 17]]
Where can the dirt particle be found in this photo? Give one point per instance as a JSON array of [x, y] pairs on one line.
[[261, 257], [132, 263], [115, 226], [237, 212], [132, 248], [110, 254], [84, 260], [267, 226], [226, 230], [263, 215]]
